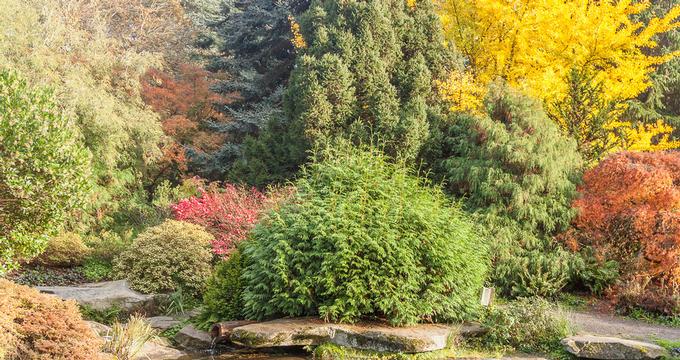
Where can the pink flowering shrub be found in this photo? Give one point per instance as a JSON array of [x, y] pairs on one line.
[[227, 213]]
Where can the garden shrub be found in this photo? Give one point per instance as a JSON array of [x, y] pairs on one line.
[[43, 169], [227, 213], [39, 326], [66, 249], [166, 257], [628, 213], [222, 297], [518, 175], [527, 325], [363, 237]]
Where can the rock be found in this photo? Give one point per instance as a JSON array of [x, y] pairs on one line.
[[282, 332], [191, 338], [469, 330], [101, 296], [152, 350], [189, 314], [222, 330], [367, 336], [413, 339], [611, 348], [100, 330], [163, 323]]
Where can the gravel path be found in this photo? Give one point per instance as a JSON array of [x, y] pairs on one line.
[[607, 325]]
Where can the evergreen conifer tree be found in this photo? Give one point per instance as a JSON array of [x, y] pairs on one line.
[[255, 50], [517, 173], [366, 72], [662, 99]]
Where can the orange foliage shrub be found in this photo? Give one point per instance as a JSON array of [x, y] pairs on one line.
[[629, 211], [40, 326], [186, 104]]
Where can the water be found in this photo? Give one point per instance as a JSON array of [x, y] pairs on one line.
[[221, 353], [253, 356]]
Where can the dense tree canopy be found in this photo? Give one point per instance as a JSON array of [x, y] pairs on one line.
[[366, 73], [253, 42], [95, 80], [537, 47], [44, 169]]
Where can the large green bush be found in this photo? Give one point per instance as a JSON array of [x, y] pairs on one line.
[[363, 237], [43, 169], [164, 258], [518, 175]]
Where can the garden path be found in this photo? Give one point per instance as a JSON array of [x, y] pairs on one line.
[[611, 325]]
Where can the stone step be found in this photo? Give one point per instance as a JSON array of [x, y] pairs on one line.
[[611, 348], [365, 336], [101, 296]]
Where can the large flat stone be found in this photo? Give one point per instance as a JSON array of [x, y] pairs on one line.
[[101, 296], [191, 338], [367, 336], [282, 332], [156, 351], [611, 348], [162, 323], [414, 339]]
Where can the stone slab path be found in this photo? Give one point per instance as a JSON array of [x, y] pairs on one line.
[[608, 325]]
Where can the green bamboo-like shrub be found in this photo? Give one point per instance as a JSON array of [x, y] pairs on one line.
[[363, 237]]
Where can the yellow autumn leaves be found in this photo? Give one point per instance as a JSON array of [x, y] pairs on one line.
[[533, 45]]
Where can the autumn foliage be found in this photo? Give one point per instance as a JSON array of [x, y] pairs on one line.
[[228, 213], [535, 45], [628, 212], [39, 326], [186, 104]]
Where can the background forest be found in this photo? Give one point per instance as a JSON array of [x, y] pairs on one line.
[[530, 145]]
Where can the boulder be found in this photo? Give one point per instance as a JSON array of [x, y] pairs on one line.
[[100, 330], [282, 332], [366, 336], [163, 323], [377, 337], [101, 296], [611, 348], [156, 351], [191, 338]]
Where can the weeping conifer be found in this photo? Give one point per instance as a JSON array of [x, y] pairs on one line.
[[517, 173]]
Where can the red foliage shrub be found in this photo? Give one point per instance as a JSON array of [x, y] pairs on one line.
[[40, 326], [629, 211], [228, 213]]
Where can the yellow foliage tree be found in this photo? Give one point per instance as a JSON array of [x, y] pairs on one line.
[[534, 45]]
